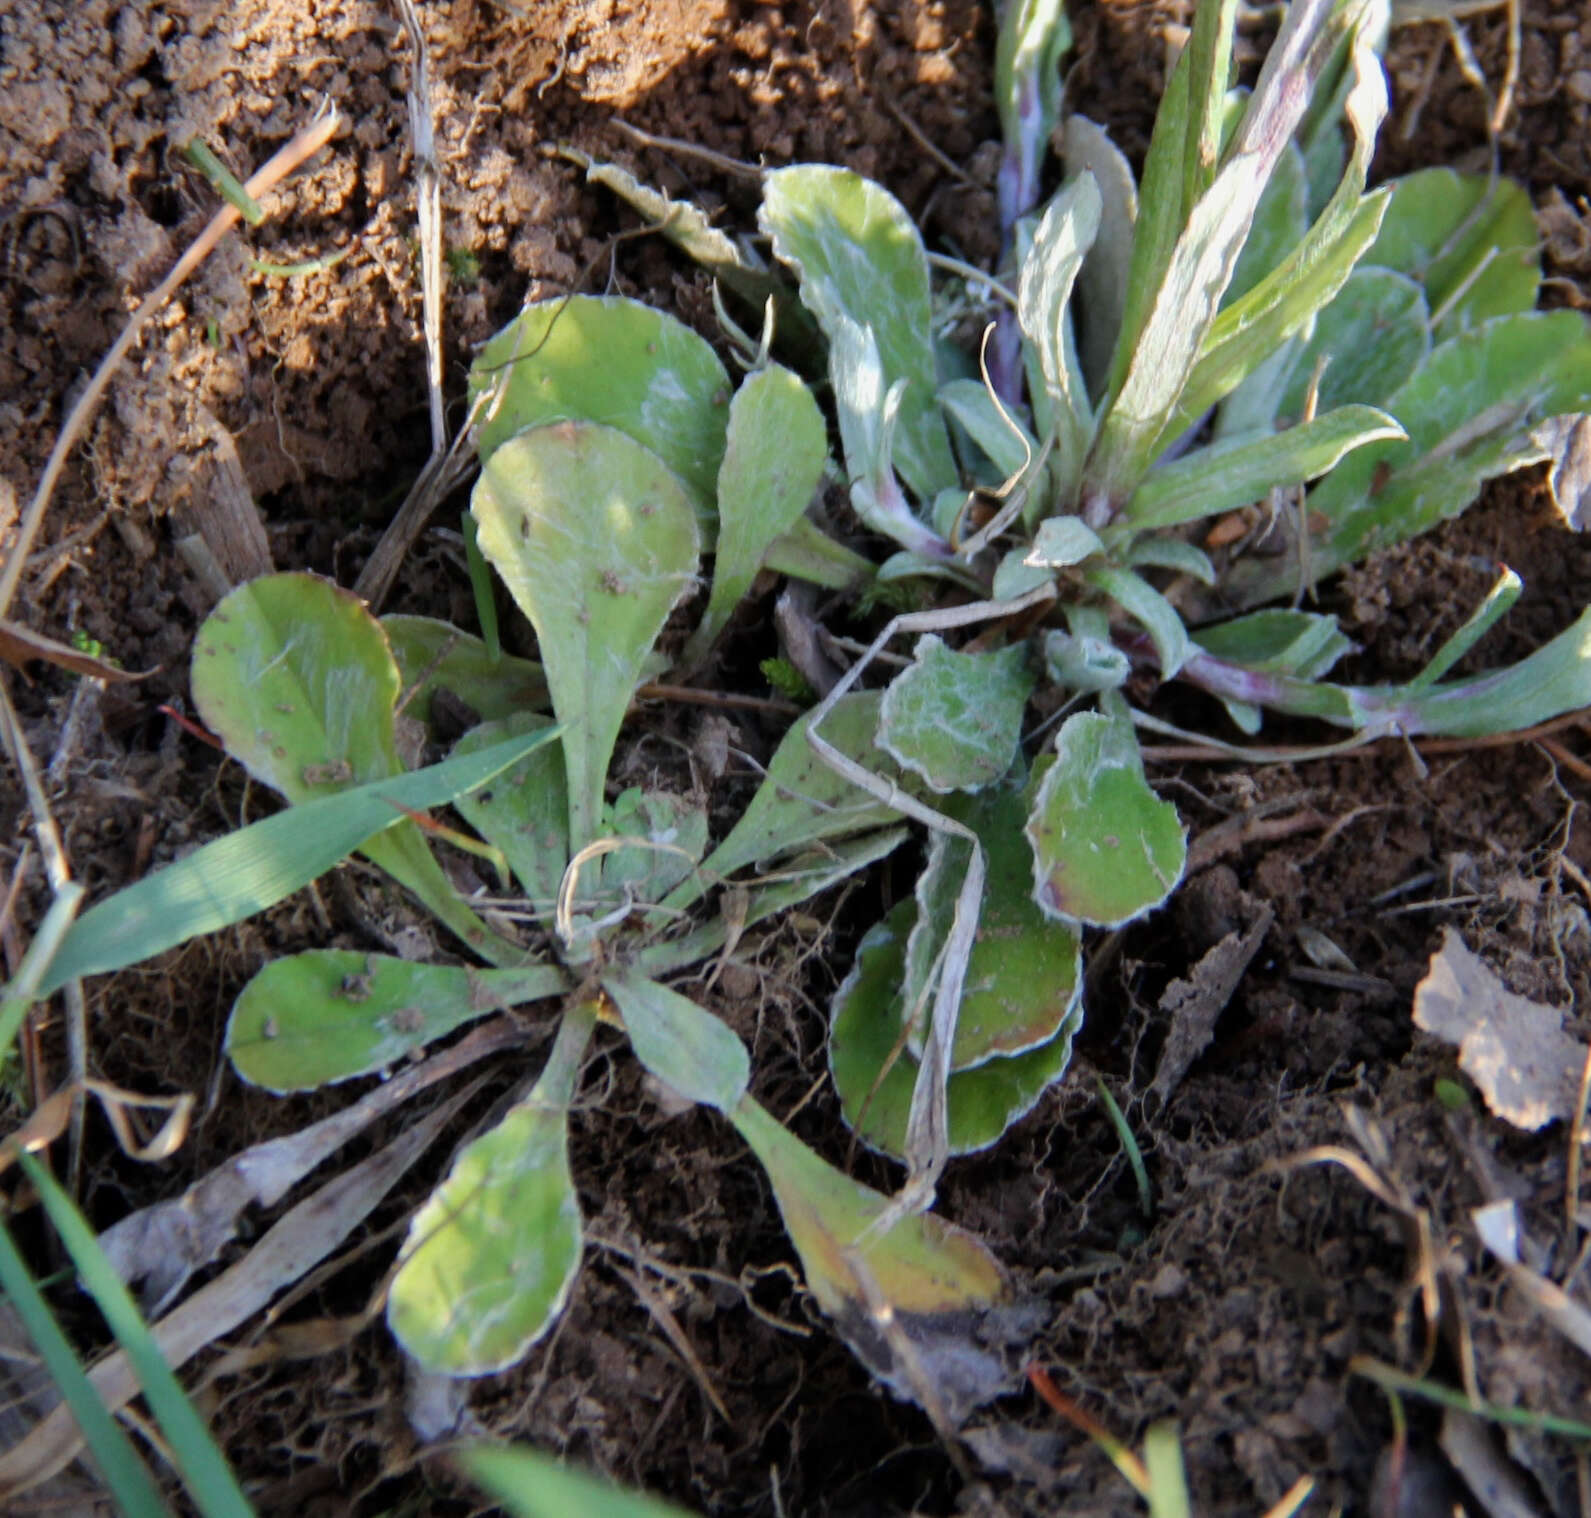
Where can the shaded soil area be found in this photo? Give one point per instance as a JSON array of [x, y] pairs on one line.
[[1236, 1305]]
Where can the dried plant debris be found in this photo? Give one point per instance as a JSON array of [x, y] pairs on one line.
[[1514, 1049]]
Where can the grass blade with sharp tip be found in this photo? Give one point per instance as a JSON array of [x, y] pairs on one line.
[[203, 1468], [255, 867]]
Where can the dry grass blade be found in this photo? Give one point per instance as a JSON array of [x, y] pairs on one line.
[[162, 1245], [51, 1117], [308, 1233]]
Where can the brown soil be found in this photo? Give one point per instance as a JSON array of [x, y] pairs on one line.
[[1237, 1307]]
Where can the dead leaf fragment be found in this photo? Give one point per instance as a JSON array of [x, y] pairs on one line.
[[1514, 1049], [1194, 1005], [1567, 440]]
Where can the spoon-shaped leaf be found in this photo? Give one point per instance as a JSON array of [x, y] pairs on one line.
[[1106, 849], [597, 358], [956, 718], [859, 255], [772, 465], [525, 813], [937, 1281], [434, 655], [1471, 242], [682, 1044], [489, 1260], [801, 799], [1024, 974], [596, 540], [297, 679], [312, 1019], [875, 1075]]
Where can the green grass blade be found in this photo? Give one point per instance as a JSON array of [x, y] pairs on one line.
[[1168, 1482], [24, 988], [224, 180], [115, 1459], [203, 1468], [255, 867], [532, 1485]]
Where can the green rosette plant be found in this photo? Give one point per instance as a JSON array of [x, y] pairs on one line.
[[1245, 337]]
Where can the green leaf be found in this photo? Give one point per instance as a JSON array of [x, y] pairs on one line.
[[1239, 470], [1175, 554], [1106, 849], [875, 1075], [1146, 606], [433, 655], [935, 1279], [489, 1260], [801, 800], [1102, 281], [1005, 441], [1469, 412], [1173, 335], [806, 552], [859, 256], [1280, 222], [533, 1485], [1301, 643], [772, 466], [1061, 242], [596, 541], [313, 1019], [255, 867], [868, 412], [525, 813], [956, 718], [1373, 335], [202, 1466], [1034, 36], [296, 678], [674, 830], [1080, 662], [685, 1047], [1553, 680], [1498, 601], [1062, 541], [1470, 239], [1024, 975], [1251, 329], [591, 358]]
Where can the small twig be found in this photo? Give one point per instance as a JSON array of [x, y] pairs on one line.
[[690, 150], [303, 146], [932, 149], [1505, 96], [775, 706], [428, 205], [58, 871]]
